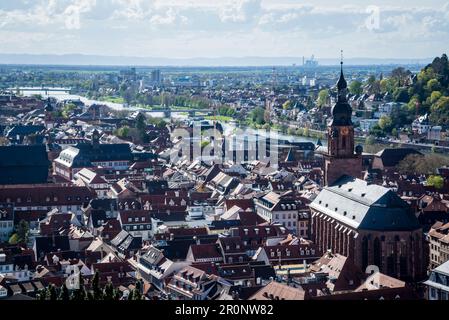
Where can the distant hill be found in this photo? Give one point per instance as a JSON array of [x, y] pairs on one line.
[[80, 59]]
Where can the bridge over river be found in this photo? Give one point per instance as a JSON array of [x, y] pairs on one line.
[[62, 94]]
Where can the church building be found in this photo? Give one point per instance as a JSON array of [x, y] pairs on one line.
[[369, 224]]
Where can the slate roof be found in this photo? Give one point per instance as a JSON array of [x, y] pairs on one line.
[[391, 157], [359, 205], [124, 241], [83, 154], [23, 130], [23, 164], [45, 245]]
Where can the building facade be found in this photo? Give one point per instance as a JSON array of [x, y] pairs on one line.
[[369, 224]]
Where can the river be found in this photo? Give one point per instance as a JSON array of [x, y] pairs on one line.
[[62, 94]]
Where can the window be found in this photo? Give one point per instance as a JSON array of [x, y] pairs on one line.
[[433, 293]]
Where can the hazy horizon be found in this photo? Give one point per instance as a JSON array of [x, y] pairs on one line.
[[250, 61]]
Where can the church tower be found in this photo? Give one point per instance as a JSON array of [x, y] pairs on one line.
[[342, 157]]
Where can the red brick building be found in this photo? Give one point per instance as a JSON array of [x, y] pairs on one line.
[[369, 224]]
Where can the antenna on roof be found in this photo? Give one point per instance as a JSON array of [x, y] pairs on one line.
[[341, 60]]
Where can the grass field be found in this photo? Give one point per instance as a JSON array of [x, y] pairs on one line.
[[219, 118], [113, 99]]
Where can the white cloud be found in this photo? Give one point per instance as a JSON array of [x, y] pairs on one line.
[[226, 27]]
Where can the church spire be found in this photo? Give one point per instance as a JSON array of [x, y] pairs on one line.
[[342, 85]]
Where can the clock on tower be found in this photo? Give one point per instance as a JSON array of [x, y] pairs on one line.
[[341, 158]]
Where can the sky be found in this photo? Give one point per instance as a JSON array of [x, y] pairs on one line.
[[226, 28]]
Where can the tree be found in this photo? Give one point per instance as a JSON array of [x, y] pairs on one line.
[[79, 294], [108, 292], [141, 122], [51, 293], [371, 79], [123, 132], [385, 123], [97, 293], [394, 132], [23, 230], [419, 164], [433, 85], [435, 181], [370, 140], [64, 293], [287, 105], [257, 116], [401, 95], [21, 233], [386, 85], [42, 295], [14, 239], [440, 112], [323, 97], [306, 132], [67, 110], [435, 96], [377, 131], [400, 74], [356, 87], [137, 294], [291, 131]]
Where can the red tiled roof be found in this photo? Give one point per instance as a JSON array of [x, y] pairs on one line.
[[45, 195]]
